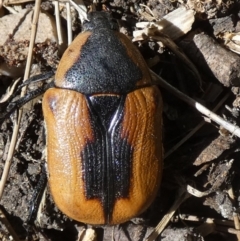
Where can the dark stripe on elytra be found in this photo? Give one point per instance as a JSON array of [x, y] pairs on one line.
[[107, 161], [103, 66]]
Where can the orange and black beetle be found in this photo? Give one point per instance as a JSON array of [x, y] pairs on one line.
[[103, 126]]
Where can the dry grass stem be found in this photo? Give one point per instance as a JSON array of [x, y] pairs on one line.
[[58, 23], [81, 8], [10, 91], [198, 127], [165, 220], [176, 50], [235, 130], [18, 119], [69, 23], [10, 9], [235, 215], [11, 231]]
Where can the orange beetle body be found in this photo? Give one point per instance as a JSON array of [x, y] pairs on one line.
[[103, 125]]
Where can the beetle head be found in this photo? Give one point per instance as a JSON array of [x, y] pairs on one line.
[[97, 20]]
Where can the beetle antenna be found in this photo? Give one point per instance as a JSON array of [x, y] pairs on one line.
[[37, 78], [12, 106]]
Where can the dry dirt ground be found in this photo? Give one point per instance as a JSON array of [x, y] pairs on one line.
[[208, 161]]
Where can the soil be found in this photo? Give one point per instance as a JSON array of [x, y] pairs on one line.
[[208, 161]]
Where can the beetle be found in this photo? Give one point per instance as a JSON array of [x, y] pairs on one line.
[[103, 124]]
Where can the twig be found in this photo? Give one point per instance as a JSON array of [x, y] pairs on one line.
[[217, 224], [201, 170], [231, 194], [235, 130], [196, 193], [18, 120], [206, 228], [192, 218], [199, 126], [58, 23], [170, 44], [235, 215], [233, 231], [81, 8], [227, 230], [236, 224], [10, 91], [148, 9], [10, 9], [155, 34], [165, 220], [11, 231], [87, 235], [69, 23]]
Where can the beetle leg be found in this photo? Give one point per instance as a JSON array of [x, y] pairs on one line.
[[37, 196]]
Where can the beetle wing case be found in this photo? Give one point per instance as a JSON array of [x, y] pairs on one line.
[[104, 150]]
